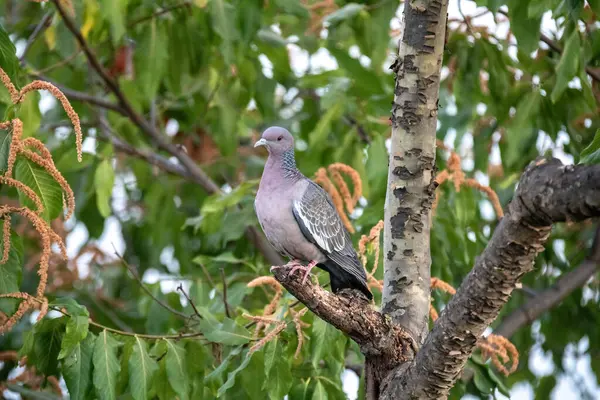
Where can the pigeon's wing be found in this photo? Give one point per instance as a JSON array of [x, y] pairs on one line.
[[321, 224]]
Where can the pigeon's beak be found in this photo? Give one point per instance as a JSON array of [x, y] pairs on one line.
[[261, 142]]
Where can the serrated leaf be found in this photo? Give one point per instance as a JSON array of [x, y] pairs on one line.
[[216, 373], [567, 66], [320, 339], [525, 29], [591, 154], [151, 59], [77, 330], [113, 11], [77, 368], [272, 351], [44, 345], [30, 114], [222, 14], [323, 128], [176, 370], [106, 366], [227, 332], [344, 13], [141, 370], [482, 382], [11, 272], [8, 57], [319, 393], [279, 381], [5, 140], [104, 179], [232, 375], [43, 184]]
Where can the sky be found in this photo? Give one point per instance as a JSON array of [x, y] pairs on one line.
[[577, 366]]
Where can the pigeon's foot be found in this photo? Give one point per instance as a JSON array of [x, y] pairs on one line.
[[306, 269], [294, 263]]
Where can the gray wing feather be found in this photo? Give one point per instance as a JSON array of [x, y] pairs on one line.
[[320, 222]]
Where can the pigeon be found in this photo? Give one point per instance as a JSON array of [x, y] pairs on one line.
[[300, 220]]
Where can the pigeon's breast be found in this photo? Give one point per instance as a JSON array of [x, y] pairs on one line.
[[274, 212]]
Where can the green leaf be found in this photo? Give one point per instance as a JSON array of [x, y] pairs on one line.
[[114, 12], [270, 37], [216, 373], [8, 57], [77, 330], [320, 339], [279, 379], [272, 351], [151, 59], [5, 140], [525, 29], [344, 13], [482, 382], [232, 375], [44, 346], [545, 387], [591, 154], [228, 332], [319, 135], [104, 180], [520, 130], [319, 393], [176, 369], [30, 114], [11, 273], [222, 14], [106, 366], [77, 368], [567, 66], [43, 184], [141, 370]]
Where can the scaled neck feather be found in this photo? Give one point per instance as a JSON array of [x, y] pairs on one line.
[[284, 165]]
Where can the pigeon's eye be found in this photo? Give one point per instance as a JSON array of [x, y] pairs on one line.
[[279, 138]]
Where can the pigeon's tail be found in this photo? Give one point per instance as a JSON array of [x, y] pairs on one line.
[[341, 279]]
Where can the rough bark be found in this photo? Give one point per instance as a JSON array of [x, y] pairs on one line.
[[349, 311], [548, 192], [410, 187]]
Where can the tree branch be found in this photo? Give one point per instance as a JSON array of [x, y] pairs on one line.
[[551, 297], [545, 195], [377, 336], [188, 163]]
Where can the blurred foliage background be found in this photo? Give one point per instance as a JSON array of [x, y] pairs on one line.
[[209, 76]]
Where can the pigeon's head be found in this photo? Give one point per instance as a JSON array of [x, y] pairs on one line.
[[277, 140]]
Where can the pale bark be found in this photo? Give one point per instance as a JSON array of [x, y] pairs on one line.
[[410, 189]]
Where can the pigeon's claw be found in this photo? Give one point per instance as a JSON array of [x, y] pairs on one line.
[[293, 263], [306, 270]]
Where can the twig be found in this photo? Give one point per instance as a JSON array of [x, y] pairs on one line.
[[207, 275], [165, 10], [139, 280], [180, 288], [43, 24], [362, 133], [60, 63], [225, 293]]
